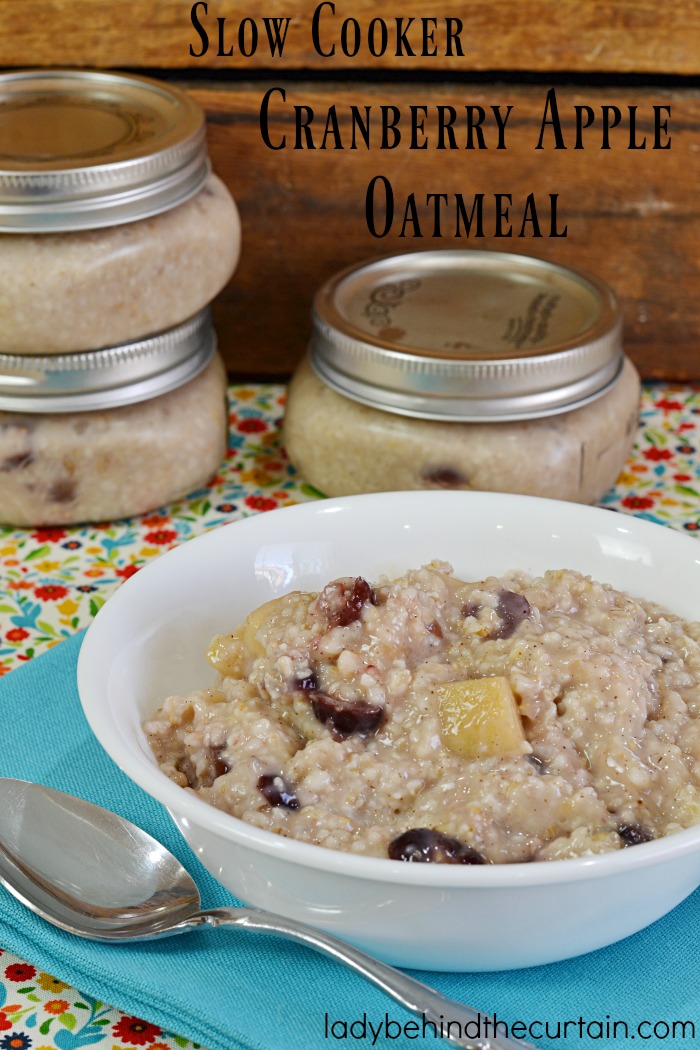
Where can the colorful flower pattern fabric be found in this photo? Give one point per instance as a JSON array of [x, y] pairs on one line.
[[53, 581], [40, 1012], [661, 480]]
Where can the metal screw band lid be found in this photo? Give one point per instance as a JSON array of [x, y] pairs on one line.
[[101, 379], [85, 149], [467, 336]]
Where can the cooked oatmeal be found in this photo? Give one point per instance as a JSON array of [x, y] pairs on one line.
[[429, 719]]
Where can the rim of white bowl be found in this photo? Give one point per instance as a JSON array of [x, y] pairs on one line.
[[142, 769]]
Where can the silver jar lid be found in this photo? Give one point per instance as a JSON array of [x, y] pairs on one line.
[[84, 149], [471, 336], [103, 379]]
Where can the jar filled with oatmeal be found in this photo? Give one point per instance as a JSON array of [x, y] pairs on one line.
[[107, 434], [112, 226], [463, 369], [115, 237]]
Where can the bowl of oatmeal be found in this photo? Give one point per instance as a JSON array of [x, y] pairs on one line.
[[461, 730]]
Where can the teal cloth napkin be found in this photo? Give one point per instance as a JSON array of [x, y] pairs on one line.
[[229, 990]]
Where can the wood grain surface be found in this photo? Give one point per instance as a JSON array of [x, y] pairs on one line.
[[632, 216], [615, 36]]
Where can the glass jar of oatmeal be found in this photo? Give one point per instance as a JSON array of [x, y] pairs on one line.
[[111, 433], [112, 226], [463, 369]]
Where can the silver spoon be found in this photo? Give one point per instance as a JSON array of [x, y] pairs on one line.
[[116, 884]]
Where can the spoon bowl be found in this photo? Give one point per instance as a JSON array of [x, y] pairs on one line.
[[118, 884]]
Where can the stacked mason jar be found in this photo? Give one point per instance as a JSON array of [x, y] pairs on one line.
[[115, 237]]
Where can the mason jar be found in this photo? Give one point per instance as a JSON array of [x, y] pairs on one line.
[[112, 225], [115, 237], [463, 369], [112, 433]]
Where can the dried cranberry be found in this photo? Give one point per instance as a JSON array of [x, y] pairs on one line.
[[445, 477], [436, 629], [344, 717], [470, 609], [512, 609], [277, 792], [308, 683], [342, 602], [425, 845], [63, 490], [634, 834]]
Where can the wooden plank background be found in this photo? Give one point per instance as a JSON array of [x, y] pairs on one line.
[[632, 215], [585, 36]]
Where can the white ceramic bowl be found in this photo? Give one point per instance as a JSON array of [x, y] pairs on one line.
[[149, 641]]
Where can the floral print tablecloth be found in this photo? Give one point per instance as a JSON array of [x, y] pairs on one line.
[[53, 581]]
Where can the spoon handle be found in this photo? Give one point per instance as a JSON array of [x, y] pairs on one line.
[[453, 1021]]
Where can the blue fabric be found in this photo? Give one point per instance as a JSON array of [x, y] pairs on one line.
[[227, 989]]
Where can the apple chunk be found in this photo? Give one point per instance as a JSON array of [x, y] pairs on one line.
[[479, 718], [232, 653]]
